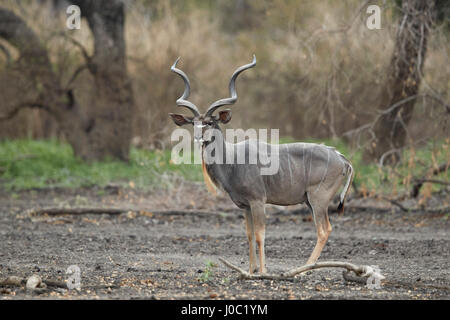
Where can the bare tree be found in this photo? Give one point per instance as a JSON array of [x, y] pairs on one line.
[[403, 81], [103, 129]]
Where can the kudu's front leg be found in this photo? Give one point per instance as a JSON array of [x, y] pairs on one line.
[[251, 240], [259, 224]]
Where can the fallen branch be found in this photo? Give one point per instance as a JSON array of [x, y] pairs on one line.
[[118, 211], [396, 203], [438, 210], [396, 283], [75, 211], [445, 183], [360, 270], [45, 285], [419, 182], [351, 208], [362, 274], [15, 281]]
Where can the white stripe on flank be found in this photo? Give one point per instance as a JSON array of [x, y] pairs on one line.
[[304, 162], [289, 163], [310, 163], [326, 170]]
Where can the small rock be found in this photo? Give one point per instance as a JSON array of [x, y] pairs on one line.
[[33, 282]]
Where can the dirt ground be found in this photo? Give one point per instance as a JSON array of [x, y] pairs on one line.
[[175, 256]]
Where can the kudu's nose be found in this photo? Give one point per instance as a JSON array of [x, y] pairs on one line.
[[198, 132]]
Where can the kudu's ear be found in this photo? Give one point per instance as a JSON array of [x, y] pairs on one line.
[[225, 116], [179, 119]]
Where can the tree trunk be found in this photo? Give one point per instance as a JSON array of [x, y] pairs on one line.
[[104, 129], [403, 81], [111, 128]]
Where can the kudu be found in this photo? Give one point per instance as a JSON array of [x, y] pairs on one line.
[[307, 172]]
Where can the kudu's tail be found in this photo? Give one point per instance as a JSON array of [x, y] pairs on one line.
[[349, 173]]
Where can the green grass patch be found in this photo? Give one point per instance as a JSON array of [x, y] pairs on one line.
[[207, 272], [27, 164]]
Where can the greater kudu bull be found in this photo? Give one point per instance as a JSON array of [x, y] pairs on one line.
[[308, 172]]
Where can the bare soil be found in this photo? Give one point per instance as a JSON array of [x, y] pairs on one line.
[[146, 255]]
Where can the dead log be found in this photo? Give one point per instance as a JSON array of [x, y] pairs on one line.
[[118, 211]]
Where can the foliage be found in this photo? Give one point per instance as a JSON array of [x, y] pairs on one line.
[[207, 272], [26, 164]]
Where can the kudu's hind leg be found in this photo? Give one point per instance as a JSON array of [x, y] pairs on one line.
[[319, 209], [259, 222], [251, 240]]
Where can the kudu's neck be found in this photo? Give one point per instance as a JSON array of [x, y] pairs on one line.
[[213, 156], [215, 147]]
